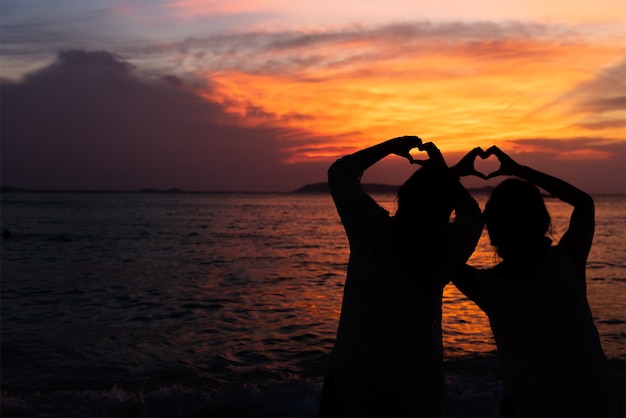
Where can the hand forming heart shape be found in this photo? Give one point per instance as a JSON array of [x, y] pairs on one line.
[[467, 165], [501, 165], [488, 165]]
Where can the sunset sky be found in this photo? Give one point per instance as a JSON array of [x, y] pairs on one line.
[[262, 95]]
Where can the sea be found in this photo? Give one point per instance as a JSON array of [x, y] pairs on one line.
[[221, 304]]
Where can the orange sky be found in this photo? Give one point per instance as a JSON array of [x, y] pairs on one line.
[[326, 78], [481, 85], [458, 95]]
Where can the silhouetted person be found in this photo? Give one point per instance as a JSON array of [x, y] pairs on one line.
[[387, 358], [551, 360]]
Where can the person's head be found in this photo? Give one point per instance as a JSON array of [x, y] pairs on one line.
[[516, 217], [427, 196]]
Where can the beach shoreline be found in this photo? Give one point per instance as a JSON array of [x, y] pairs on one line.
[[472, 381]]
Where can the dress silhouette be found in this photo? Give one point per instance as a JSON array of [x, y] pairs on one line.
[[551, 360], [387, 357]]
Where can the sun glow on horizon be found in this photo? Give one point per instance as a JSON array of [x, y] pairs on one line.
[[262, 95], [457, 94]]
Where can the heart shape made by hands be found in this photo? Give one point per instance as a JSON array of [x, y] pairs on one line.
[[487, 164]]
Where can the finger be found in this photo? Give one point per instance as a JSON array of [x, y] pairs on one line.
[[475, 153], [419, 162], [407, 155], [473, 173], [494, 174], [406, 143], [431, 149], [414, 139], [494, 150], [479, 175], [481, 152], [425, 146]]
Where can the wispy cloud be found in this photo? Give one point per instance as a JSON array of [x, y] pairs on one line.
[[596, 105], [570, 148], [315, 91], [454, 82], [297, 51]]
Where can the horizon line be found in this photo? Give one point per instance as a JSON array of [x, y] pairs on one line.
[[310, 188]]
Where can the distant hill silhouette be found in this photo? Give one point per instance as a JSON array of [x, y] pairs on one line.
[[373, 188]]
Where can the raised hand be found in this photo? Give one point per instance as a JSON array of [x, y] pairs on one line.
[[465, 167], [434, 154], [404, 144], [508, 167]]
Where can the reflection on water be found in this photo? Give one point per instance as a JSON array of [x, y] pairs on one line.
[[219, 287], [466, 327]]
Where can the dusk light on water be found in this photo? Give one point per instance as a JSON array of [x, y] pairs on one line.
[[158, 255], [233, 293]]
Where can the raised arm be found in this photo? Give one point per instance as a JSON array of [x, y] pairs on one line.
[[579, 236], [467, 210], [467, 227], [365, 158], [457, 240], [344, 176]]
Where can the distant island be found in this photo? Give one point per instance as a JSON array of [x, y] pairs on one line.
[[373, 188]]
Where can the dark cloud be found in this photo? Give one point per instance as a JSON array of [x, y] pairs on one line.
[[88, 121]]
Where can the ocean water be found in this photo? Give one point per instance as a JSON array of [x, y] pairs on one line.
[[187, 304]]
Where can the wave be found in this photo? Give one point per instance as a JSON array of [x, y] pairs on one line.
[[293, 399], [473, 389]]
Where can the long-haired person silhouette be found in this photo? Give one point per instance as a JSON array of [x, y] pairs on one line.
[[387, 358], [551, 360]]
